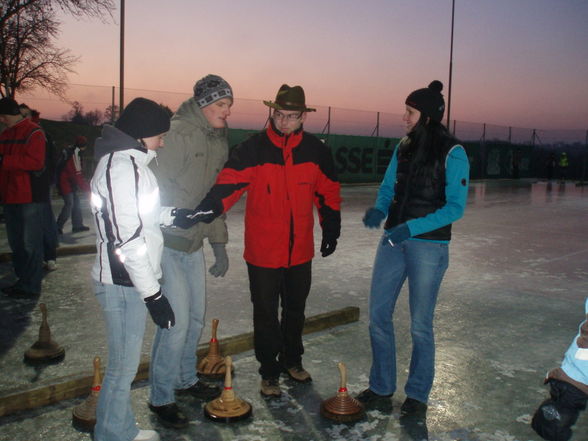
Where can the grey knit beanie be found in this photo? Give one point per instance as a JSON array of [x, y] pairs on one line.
[[211, 88]]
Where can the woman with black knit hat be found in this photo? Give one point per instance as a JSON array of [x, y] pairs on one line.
[[424, 190], [127, 212]]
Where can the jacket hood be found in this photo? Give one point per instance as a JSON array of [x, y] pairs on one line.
[[189, 115], [114, 140]]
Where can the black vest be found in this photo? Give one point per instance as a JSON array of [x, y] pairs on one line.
[[416, 195]]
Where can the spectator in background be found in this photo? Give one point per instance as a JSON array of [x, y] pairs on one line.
[[69, 181], [516, 163], [24, 191], [550, 165], [50, 237], [563, 165]]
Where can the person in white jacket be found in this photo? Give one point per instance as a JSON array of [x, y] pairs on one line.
[[129, 243]]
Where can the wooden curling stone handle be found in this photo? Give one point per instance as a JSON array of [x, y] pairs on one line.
[[228, 379], [214, 326], [343, 374]]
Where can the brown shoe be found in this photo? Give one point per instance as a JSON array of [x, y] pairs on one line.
[[270, 387], [298, 373]]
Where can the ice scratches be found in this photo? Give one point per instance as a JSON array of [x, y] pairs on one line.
[[525, 419], [357, 432], [508, 370], [378, 415], [268, 426], [499, 435]]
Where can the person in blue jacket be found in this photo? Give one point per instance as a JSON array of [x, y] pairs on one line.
[[423, 192], [554, 418]]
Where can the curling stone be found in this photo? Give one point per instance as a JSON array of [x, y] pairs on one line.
[[45, 349], [342, 407], [213, 365], [228, 407], [84, 414]]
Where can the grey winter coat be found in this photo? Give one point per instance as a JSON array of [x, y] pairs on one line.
[[186, 168]]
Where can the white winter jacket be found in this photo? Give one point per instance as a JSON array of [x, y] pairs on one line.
[[127, 213]]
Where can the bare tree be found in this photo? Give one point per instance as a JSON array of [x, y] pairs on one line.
[[111, 114], [28, 57]]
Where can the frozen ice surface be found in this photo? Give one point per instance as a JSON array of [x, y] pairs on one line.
[[508, 308]]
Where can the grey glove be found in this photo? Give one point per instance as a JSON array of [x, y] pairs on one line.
[[221, 264]]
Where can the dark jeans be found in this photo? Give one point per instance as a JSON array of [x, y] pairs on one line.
[[71, 207], [50, 238], [278, 343], [24, 229]]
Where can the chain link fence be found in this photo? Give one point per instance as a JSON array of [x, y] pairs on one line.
[[253, 114]]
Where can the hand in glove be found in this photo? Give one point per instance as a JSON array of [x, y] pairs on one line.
[[328, 246], [221, 263], [398, 234], [373, 218], [183, 218], [160, 310]]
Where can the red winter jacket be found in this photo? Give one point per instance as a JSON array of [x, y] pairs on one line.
[[70, 176], [23, 178], [284, 177]]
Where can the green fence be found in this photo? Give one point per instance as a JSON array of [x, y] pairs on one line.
[[364, 159]]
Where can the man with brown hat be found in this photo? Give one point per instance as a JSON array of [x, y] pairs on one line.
[[24, 191], [286, 171]]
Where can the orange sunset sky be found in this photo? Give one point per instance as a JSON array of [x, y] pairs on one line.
[[521, 63]]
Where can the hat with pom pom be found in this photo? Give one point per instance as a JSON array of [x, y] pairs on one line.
[[429, 101]]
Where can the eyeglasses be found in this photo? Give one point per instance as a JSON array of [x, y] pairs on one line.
[[289, 117]]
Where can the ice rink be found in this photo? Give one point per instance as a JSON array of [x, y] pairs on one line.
[[509, 306]]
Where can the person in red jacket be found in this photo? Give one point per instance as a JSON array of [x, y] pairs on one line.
[[285, 172], [24, 191], [69, 181]]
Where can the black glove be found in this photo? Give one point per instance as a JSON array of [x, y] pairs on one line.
[[160, 310], [328, 246], [183, 218]]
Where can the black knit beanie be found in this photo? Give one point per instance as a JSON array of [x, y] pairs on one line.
[[143, 118], [9, 107], [428, 101]]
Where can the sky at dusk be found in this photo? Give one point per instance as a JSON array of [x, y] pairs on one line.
[[521, 63]]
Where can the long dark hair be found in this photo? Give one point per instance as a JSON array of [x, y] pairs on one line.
[[430, 141]]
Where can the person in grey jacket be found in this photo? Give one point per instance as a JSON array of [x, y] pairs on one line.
[[196, 150]]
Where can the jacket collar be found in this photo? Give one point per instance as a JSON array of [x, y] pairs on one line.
[[280, 139]]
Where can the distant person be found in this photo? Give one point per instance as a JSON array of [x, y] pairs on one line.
[[550, 165], [50, 237], [69, 180], [424, 191], [24, 191], [196, 149], [285, 172], [568, 384], [563, 165], [516, 163], [128, 215]]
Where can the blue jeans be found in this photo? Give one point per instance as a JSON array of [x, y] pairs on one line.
[[50, 238], [71, 207], [124, 312], [173, 358], [424, 264], [24, 228]]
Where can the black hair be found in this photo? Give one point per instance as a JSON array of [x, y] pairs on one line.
[[430, 141]]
